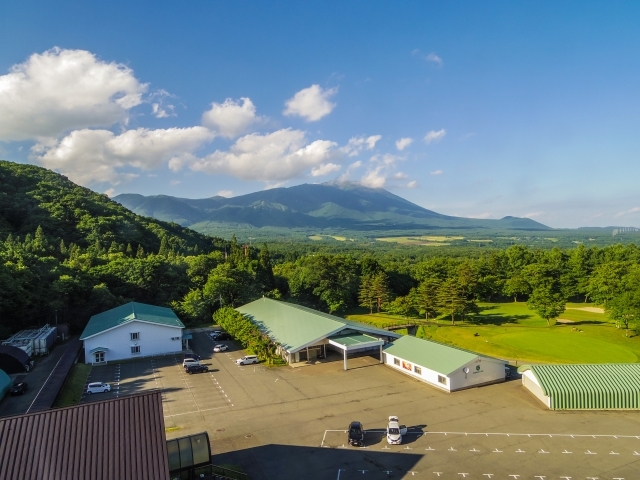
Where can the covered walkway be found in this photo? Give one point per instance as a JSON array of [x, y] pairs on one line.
[[355, 342]]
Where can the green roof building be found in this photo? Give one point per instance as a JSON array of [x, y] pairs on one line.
[[584, 387], [443, 366], [132, 330], [302, 334]]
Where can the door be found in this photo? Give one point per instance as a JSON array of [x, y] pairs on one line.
[[99, 357]]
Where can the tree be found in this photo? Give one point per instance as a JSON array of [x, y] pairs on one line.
[[547, 298], [230, 285], [380, 290], [425, 297], [366, 296], [516, 285], [453, 299], [402, 306], [624, 307]]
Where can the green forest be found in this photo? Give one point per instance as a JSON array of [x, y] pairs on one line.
[[67, 253]]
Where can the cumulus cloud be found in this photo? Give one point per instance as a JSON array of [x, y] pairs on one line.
[[325, 169], [480, 215], [403, 143], [374, 178], [436, 172], [381, 169], [350, 169], [93, 156], [60, 90], [358, 144], [311, 103], [432, 57], [225, 193], [533, 214], [274, 157], [412, 184], [230, 118], [434, 136]]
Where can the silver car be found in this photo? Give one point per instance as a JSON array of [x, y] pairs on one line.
[[98, 387]]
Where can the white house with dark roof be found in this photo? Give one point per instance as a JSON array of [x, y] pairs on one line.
[[132, 330]]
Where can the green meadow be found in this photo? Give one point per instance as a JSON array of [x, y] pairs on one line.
[[513, 332]]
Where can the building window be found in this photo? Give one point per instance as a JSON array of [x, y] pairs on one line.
[[417, 369], [396, 361], [442, 380], [135, 349], [135, 336], [99, 357]]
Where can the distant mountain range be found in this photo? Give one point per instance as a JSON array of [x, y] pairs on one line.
[[311, 206]]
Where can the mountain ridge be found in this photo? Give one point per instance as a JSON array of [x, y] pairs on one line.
[[327, 205]]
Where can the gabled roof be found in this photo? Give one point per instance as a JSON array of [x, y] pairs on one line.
[[589, 386], [130, 312], [295, 327], [121, 438], [435, 356]]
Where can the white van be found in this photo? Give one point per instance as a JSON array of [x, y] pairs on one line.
[[247, 360], [190, 361], [98, 387]]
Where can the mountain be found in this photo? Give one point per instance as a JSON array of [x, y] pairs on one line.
[[311, 206], [32, 196]]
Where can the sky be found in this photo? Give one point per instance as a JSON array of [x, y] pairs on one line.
[[474, 109]]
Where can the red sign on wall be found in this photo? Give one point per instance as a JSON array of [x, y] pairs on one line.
[[406, 365]]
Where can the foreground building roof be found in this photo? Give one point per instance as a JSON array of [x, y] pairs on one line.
[[295, 327], [589, 386], [120, 439], [130, 312], [433, 355]]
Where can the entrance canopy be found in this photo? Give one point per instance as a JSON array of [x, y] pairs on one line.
[[350, 342], [98, 349]]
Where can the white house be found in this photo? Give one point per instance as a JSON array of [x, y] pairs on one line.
[[442, 366], [132, 330]]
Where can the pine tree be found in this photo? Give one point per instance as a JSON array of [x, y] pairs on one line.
[[381, 290], [366, 295], [63, 248], [129, 250], [164, 247], [140, 252]]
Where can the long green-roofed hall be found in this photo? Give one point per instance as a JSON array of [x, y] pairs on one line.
[[302, 334]]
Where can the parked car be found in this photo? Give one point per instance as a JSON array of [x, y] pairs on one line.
[[18, 388], [395, 431], [192, 355], [356, 434], [190, 361], [219, 348], [98, 387], [214, 335], [197, 368], [507, 372], [247, 360]]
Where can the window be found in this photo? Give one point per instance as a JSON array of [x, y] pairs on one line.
[[396, 361], [417, 369], [135, 336], [135, 349], [175, 338], [99, 357], [442, 380]]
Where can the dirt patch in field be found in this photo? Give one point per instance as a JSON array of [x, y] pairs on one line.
[[588, 309], [564, 320]]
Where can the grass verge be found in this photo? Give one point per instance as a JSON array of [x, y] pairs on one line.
[[74, 386]]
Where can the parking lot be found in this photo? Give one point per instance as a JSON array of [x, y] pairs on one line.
[[289, 422]]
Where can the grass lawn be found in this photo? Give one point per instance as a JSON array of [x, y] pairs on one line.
[[512, 331], [379, 320], [74, 386]]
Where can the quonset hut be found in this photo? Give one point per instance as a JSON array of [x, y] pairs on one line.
[[584, 387]]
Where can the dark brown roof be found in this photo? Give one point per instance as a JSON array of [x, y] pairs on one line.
[[119, 439]]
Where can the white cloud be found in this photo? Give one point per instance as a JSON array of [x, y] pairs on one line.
[[412, 184], [400, 176], [173, 183], [230, 118], [533, 214], [403, 143], [380, 170], [311, 103], [627, 212], [432, 57], [374, 178], [93, 156], [325, 169], [274, 157], [159, 108], [358, 144], [225, 193], [350, 169], [480, 215], [60, 90], [110, 192], [434, 136], [436, 172]]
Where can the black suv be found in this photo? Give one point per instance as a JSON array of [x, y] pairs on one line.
[[356, 434], [18, 388], [197, 368]]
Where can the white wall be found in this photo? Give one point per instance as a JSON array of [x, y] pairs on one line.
[[426, 375], [154, 340], [530, 381], [490, 371]]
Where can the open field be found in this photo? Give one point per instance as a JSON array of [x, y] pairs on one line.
[[323, 237], [513, 332]]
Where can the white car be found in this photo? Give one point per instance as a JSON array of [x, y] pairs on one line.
[[395, 431], [98, 387], [190, 361], [247, 360], [219, 348]]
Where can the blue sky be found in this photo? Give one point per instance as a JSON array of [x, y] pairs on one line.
[[505, 108]]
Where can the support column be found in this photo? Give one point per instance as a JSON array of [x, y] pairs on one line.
[[345, 358], [381, 361], [308, 355]]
